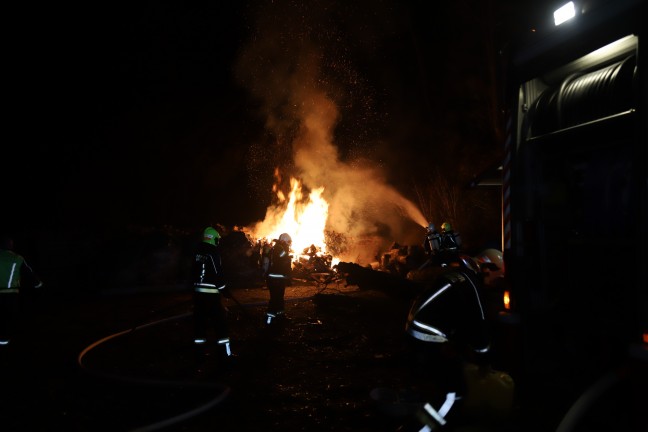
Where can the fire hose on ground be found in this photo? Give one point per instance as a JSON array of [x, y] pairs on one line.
[[223, 390]]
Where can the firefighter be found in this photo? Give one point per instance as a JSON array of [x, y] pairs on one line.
[[432, 240], [210, 314], [442, 248], [491, 263], [278, 277], [447, 328], [450, 239], [15, 276]]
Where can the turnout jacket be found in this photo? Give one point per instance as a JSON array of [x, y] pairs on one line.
[[207, 270], [280, 261], [15, 273]]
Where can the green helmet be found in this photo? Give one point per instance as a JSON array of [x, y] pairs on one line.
[[445, 226], [211, 236]]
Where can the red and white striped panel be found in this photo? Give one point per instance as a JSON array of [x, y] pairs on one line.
[[506, 187]]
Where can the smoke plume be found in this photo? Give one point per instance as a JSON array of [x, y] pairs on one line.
[[299, 69]]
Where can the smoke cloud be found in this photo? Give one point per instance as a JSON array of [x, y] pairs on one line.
[[298, 68]]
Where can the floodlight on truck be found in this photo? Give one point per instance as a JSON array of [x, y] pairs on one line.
[[564, 13]]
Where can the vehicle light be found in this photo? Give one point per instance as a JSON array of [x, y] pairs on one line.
[[507, 301], [645, 337], [564, 13]]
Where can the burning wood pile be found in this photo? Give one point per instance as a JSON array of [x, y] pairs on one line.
[[317, 247]]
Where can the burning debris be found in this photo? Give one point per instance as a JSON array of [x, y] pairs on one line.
[[313, 260], [401, 260], [307, 218], [303, 217], [311, 265]]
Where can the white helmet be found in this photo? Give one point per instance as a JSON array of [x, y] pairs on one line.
[[285, 238], [495, 258], [491, 256]]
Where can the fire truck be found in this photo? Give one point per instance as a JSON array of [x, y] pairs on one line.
[[575, 216]]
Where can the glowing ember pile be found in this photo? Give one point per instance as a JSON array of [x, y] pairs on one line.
[[303, 218]]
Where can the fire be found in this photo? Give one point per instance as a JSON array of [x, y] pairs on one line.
[[507, 300], [303, 218]]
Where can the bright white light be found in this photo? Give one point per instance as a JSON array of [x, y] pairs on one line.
[[564, 13]]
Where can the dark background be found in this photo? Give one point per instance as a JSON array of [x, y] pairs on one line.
[[136, 116], [133, 113], [131, 126]]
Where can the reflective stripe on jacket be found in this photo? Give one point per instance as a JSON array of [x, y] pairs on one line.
[[10, 267], [207, 271], [208, 288], [280, 261]]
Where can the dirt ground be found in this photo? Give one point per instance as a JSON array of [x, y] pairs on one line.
[[126, 363]]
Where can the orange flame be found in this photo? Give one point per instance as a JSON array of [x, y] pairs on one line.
[[304, 219], [507, 300]]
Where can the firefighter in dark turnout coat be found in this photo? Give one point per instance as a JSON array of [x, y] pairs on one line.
[[15, 275], [278, 277], [448, 328], [210, 315]]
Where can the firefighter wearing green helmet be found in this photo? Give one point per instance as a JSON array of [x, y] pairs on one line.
[[210, 315], [450, 240]]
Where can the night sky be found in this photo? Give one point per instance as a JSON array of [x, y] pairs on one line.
[[154, 113]]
